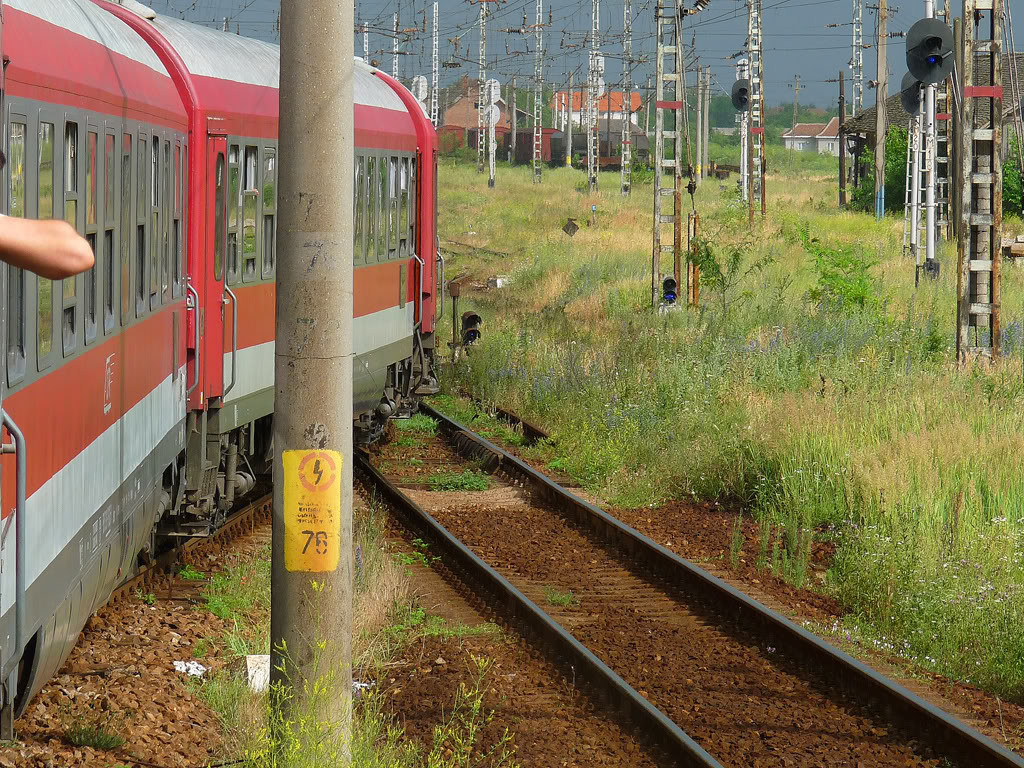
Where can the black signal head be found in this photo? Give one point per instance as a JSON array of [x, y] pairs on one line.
[[910, 94], [930, 51], [741, 95]]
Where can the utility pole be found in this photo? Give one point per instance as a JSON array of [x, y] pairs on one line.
[[706, 161], [593, 160], [647, 124], [928, 153], [394, 51], [857, 60], [538, 96], [742, 73], [881, 94], [796, 100], [979, 233], [515, 131], [311, 562], [842, 141], [434, 73], [366, 44], [627, 92], [700, 124], [568, 138], [482, 102]]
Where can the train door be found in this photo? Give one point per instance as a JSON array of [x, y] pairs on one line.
[[212, 301]]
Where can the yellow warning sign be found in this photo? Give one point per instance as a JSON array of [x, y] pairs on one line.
[[312, 510]]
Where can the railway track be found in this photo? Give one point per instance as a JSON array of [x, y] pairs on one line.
[[240, 523], [703, 670]]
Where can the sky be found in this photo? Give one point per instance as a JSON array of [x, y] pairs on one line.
[[796, 39]]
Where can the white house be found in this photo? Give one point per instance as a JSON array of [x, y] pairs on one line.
[[822, 138]]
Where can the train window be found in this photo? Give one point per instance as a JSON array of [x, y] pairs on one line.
[[218, 220], [44, 286], [403, 209], [177, 179], [234, 204], [385, 207], [165, 256], [108, 178], [176, 227], [16, 163], [90, 180], [141, 216], [140, 207], [269, 201], [393, 205], [269, 180], [359, 208], [108, 280], [70, 174], [155, 238], [16, 277], [371, 209], [250, 213], [89, 292], [126, 227], [182, 224]]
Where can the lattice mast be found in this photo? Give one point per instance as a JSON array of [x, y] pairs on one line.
[[435, 74], [756, 122], [857, 60], [627, 92], [538, 96], [482, 102], [669, 129], [394, 50], [593, 160], [366, 44], [981, 200]]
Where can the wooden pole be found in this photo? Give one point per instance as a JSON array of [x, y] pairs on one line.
[[842, 141]]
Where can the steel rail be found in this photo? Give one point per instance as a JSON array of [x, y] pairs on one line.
[[518, 610], [940, 730]]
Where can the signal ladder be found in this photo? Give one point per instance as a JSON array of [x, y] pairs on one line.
[[981, 203], [756, 106], [668, 171]]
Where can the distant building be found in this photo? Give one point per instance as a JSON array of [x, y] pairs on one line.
[[613, 104], [822, 138], [730, 131]]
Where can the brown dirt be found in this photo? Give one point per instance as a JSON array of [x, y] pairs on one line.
[[551, 722], [122, 669]]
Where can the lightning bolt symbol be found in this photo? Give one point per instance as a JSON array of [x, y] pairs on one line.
[[318, 472]]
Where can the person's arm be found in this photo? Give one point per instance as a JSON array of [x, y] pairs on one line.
[[50, 248]]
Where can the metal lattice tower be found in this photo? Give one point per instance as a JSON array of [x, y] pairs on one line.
[[756, 146], [627, 93], [593, 160], [668, 127], [366, 44], [538, 95], [394, 51], [942, 143], [857, 60], [981, 175], [481, 96], [434, 73]]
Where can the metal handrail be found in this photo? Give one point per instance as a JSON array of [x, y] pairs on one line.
[[234, 338], [195, 293], [20, 535]]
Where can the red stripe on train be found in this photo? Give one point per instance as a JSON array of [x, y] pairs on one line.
[[67, 409]]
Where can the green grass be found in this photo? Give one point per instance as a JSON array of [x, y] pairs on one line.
[[814, 385], [90, 727], [562, 599], [418, 423], [468, 480], [189, 573]]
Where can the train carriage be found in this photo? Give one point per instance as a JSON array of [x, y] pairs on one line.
[[143, 389]]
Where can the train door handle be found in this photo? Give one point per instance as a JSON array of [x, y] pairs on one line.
[[20, 537], [193, 306], [234, 338]]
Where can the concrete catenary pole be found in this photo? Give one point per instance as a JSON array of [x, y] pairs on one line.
[[700, 125], [482, 101], [515, 121], [881, 93], [311, 562], [706, 162], [568, 137], [434, 71], [842, 141]]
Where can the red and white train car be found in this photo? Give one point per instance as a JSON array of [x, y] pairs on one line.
[[139, 396]]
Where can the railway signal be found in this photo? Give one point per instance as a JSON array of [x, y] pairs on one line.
[[930, 51], [910, 94], [669, 290], [471, 323], [741, 95]]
